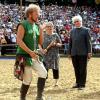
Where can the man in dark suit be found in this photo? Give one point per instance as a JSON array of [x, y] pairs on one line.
[[80, 51]]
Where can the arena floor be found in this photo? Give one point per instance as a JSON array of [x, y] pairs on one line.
[[9, 86]]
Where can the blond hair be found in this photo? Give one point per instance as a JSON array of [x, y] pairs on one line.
[[31, 8]]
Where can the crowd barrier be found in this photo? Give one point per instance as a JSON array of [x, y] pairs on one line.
[[10, 49]]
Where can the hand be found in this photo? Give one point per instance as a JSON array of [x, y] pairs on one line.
[[34, 55], [58, 44], [44, 51], [89, 55], [43, 25], [53, 43]]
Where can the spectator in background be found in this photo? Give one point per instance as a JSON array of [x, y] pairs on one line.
[[2, 41], [7, 34], [67, 27], [66, 41], [13, 36], [62, 36], [1, 35], [60, 16], [96, 46]]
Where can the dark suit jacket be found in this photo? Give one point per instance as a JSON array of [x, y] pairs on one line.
[[80, 41]]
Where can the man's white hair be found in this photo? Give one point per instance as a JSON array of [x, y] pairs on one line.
[[31, 8], [77, 18]]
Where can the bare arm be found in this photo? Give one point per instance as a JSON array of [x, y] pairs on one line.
[[41, 41], [41, 37]]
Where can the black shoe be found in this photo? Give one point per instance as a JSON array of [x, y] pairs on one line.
[[75, 86], [81, 87], [41, 98]]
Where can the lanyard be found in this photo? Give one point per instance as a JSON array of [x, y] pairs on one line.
[[34, 39]]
